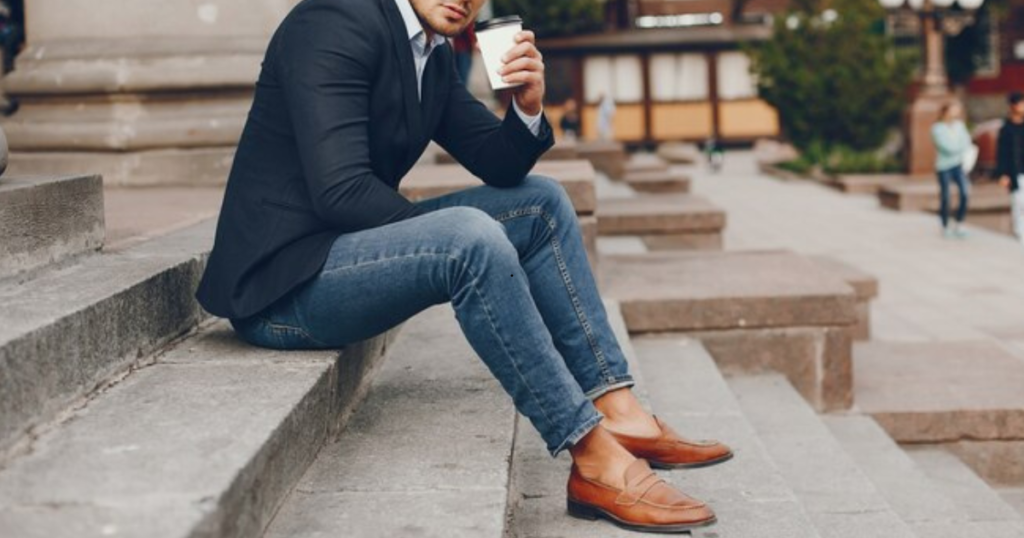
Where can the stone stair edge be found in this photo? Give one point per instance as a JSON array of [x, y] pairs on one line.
[[185, 446], [830, 484], [68, 330]]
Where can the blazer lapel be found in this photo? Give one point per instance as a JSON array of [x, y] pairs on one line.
[[407, 68]]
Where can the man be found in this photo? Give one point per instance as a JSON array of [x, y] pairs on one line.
[[1010, 160], [315, 247]]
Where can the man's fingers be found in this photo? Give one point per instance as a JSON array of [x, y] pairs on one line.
[[525, 35], [522, 64], [521, 50], [526, 77]]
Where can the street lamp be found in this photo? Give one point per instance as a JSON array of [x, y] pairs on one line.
[[937, 19]]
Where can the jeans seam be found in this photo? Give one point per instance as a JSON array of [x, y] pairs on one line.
[[563, 270], [284, 327], [496, 332]]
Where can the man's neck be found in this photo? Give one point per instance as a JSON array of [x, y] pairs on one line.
[[1017, 118]]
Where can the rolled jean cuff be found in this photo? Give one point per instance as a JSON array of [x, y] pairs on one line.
[[578, 433], [619, 382]]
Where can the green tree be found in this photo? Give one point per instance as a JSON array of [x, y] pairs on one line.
[[549, 18], [832, 75]]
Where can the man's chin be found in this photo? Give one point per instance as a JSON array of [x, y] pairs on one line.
[[448, 29]]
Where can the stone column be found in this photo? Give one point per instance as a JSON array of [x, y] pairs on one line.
[[144, 93]]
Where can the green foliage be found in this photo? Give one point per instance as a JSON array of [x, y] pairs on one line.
[[555, 18], [834, 83], [841, 160]]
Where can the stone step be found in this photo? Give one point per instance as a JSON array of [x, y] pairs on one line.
[[205, 441], [644, 162], [679, 152], [658, 181], [866, 183], [923, 195], [664, 222], [748, 493], [839, 498], [607, 157], [48, 219], [908, 490], [427, 454], [932, 392], [754, 311], [70, 330], [562, 150], [864, 285], [972, 496], [577, 176]]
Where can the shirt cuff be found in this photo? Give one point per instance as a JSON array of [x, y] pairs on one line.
[[532, 122]]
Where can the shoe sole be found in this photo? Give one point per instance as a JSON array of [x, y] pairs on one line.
[[708, 463], [592, 513]]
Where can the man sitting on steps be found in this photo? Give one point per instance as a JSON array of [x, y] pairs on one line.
[[315, 248]]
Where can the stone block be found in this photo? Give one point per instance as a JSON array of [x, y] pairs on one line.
[[67, 331], [607, 157], [205, 442], [728, 290], [643, 162], [997, 462], [562, 150], [658, 182], [697, 240], [679, 152], [662, 214], [44, 220], [968, 492], [864, 285], [755, 312], [934, 392], [865, 183], [180, 167], [576, 176]]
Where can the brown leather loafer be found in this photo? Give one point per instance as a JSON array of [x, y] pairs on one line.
[[672, 451], [648, 503]]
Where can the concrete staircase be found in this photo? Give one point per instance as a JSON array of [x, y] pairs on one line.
[[122, 411], [437, 450]]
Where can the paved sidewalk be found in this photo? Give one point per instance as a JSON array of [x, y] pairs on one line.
[[932, 289]]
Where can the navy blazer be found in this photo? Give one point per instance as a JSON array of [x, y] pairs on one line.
[[335, 125]]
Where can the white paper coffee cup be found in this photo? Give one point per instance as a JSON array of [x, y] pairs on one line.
[[496, 37]]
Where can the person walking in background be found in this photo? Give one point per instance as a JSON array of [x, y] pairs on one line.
[[952, 141], [570, 122], [1010, 160], [606, 117], [464, 44]]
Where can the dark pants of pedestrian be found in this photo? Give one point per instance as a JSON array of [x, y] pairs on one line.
[[955, 174]]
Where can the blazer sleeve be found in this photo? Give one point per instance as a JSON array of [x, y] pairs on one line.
[[326, 60], [499, 152]]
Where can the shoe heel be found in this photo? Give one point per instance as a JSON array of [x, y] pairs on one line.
[[581, 511]]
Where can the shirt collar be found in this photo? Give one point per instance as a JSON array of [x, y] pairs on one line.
[[415, 30]]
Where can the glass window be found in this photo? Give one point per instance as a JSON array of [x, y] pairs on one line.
[[679, 77], [735, 80]]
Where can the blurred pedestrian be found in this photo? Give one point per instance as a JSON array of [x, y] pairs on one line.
[[570, 122], [464, 45], [1010, 160], [606, 117], [952, 141]]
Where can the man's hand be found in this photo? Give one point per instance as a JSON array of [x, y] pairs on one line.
[[1004, 181], [524, 64]]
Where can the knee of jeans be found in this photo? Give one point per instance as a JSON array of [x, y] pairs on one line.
[[474, 231], [550, 192]]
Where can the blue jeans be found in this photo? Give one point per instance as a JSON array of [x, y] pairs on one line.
[[513, 265], [945, 177]]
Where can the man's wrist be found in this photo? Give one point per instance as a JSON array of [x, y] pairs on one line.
[[532, 121]]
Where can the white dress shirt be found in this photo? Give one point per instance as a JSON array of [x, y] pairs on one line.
[[421, 53]]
